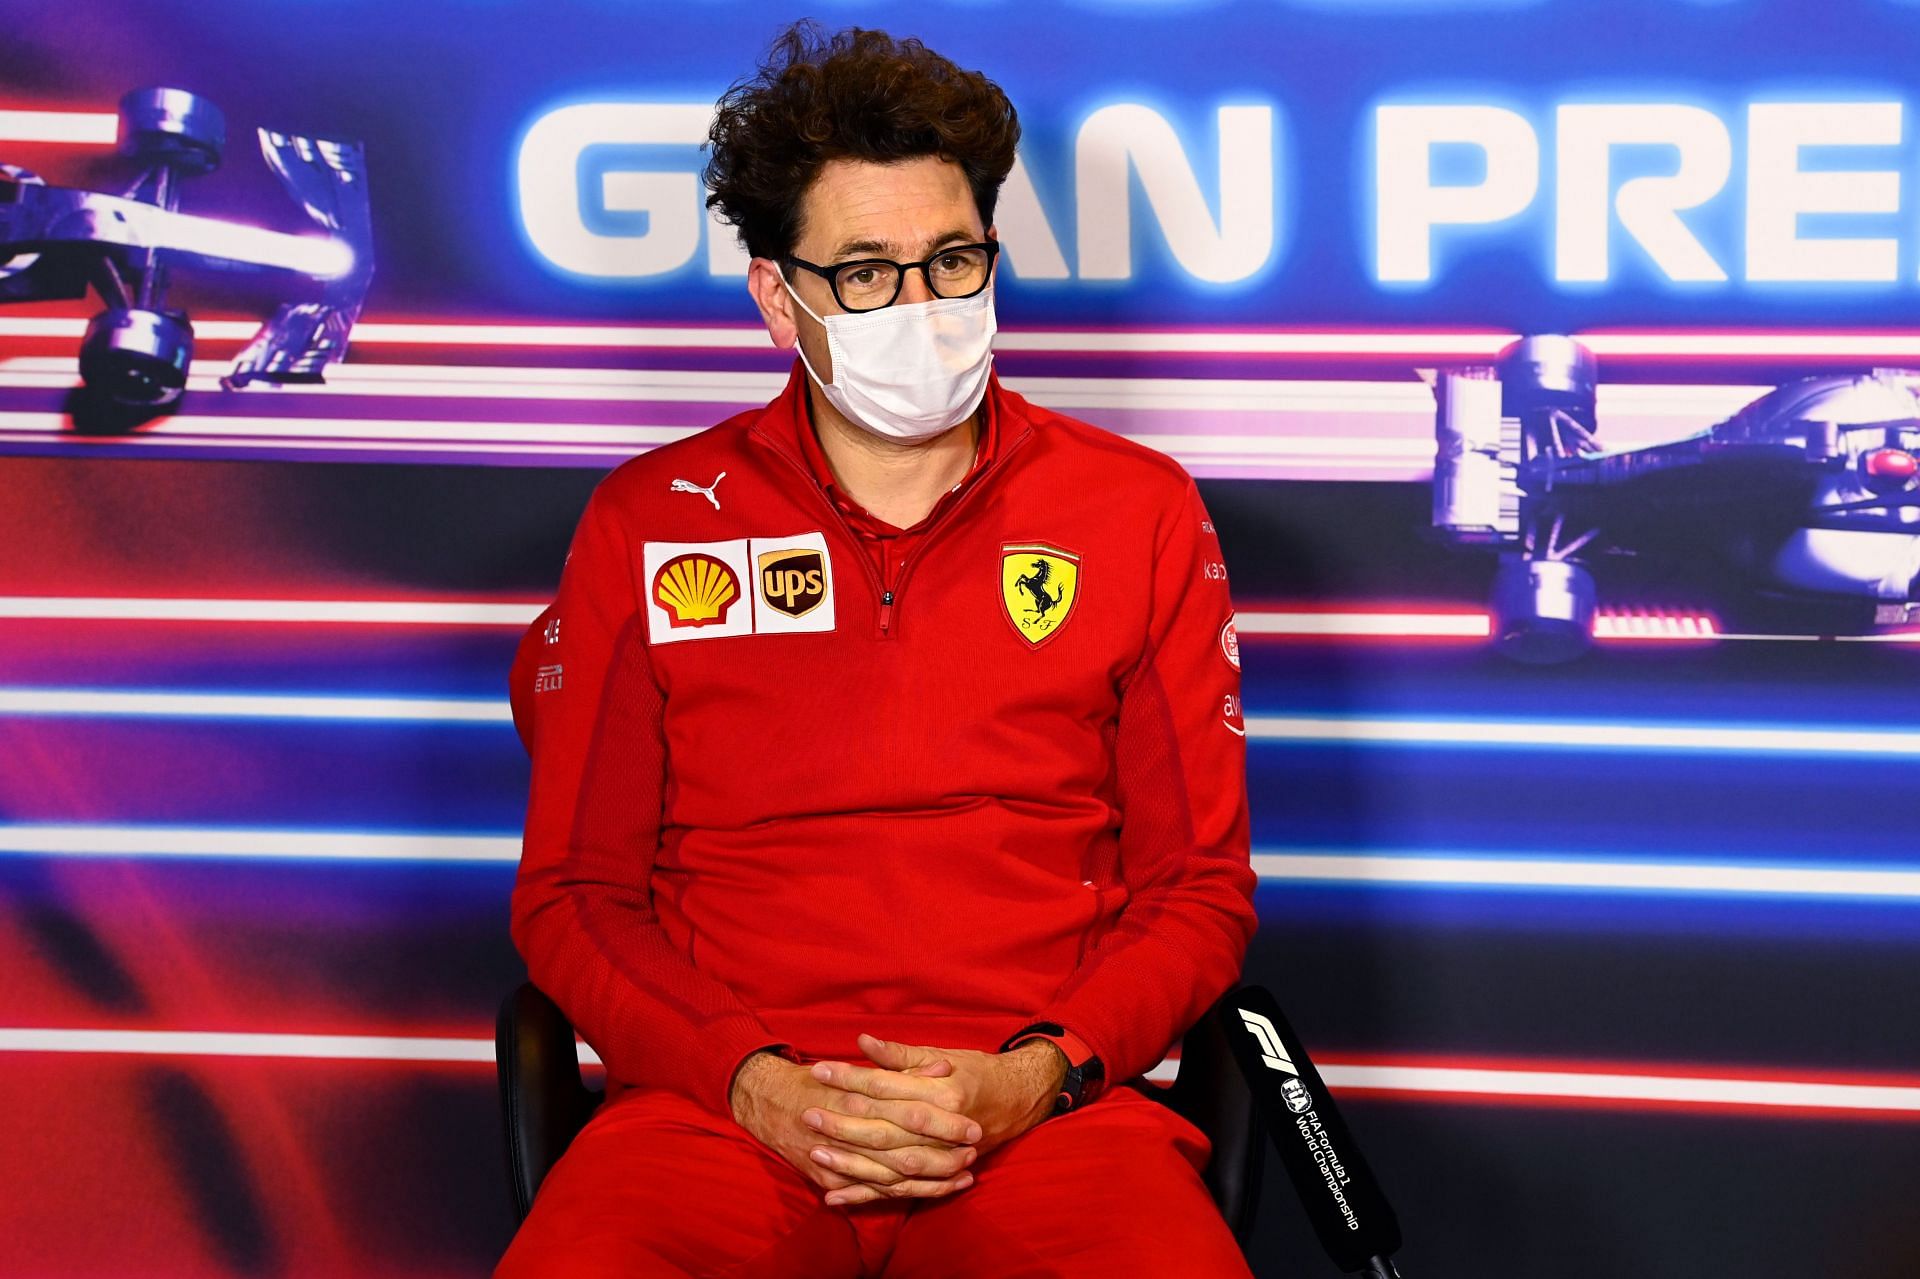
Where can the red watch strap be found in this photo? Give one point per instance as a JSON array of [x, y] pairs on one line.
[[1091, 1083], [1075, 1048]]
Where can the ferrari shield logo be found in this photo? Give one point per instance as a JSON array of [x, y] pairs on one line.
[[1038, 585]]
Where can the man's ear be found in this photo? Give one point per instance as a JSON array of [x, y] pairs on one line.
[[775, 303]]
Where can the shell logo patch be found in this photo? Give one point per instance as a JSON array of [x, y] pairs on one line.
[[696, 590], [1038, 587]]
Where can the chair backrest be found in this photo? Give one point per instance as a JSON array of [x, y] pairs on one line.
[[1212, 1094], [542, 1099]]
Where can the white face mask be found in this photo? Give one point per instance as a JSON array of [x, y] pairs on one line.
[[908, 372]]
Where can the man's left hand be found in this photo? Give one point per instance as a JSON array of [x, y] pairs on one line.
[[1005, 1093]]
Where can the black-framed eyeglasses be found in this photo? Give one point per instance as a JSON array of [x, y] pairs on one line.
[[869, 284]]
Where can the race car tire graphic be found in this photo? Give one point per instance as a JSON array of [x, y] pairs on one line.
[[172, 127], [137, 358], [1548, 371], [1542, 609]]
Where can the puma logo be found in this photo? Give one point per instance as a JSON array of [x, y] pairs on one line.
[[688, 486]]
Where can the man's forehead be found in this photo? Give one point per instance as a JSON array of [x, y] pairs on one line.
[[859, 206]]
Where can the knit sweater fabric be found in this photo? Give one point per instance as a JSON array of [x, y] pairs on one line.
[[778, 801]]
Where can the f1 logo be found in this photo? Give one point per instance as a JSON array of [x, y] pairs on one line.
[[1270, 1050]]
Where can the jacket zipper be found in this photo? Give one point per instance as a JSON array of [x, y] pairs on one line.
[[906, 566], [873, 575], [889, 598]]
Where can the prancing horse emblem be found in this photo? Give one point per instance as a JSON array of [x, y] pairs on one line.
[[1038, 585]]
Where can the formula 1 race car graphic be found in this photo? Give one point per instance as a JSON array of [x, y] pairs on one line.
[[1799, 511], [56, 241]]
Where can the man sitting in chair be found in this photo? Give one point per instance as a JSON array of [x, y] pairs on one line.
[[888, 818]]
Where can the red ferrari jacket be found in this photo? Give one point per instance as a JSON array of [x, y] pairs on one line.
[[788, 787]]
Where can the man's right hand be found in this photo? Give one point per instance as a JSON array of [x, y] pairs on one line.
[[903, 1149]]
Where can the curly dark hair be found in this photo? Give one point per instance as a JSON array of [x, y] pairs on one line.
[[858, 94]]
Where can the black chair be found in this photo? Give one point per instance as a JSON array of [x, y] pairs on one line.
[[544, 1101]]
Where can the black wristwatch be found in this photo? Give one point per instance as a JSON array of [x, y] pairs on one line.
[[1086, 1076]]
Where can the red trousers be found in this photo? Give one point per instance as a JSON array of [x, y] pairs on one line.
[[656, 1186]]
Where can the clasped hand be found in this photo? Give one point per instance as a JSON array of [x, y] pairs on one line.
[[911, 1126]]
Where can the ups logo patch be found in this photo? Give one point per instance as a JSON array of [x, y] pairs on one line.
[[793, 581]]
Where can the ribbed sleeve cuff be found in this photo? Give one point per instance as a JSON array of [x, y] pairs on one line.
[[741, 1047], [1093, 1037]]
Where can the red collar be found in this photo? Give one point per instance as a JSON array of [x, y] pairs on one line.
[[797, 428]]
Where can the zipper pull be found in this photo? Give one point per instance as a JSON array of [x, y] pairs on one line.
[[886, 609]]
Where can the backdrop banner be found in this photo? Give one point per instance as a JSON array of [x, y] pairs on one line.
[[1548, 367]]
